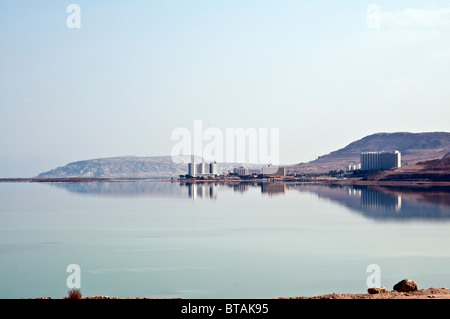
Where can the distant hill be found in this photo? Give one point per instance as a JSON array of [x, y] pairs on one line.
[[130, 166], [413, 146]]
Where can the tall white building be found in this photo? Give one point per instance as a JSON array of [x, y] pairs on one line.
[[380, 160], [202, 169]]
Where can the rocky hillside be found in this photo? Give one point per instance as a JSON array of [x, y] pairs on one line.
[[437, 170], [413, 146], [129, 167]]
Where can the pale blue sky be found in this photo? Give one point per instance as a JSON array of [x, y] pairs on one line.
[[136, 70]]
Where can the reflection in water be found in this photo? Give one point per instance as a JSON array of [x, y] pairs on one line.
[[273, 188], [371, 200], [380, 203], [126, 189], [209, 190], [203, 190], [387, 203], [312, 237], [241, 187]]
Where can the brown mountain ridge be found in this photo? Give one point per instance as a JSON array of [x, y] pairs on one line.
[[415, 147]]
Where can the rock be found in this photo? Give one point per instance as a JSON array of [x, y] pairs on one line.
[[376, 290], [406, 285]]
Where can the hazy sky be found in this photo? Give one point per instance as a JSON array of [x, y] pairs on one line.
[[136, 70]]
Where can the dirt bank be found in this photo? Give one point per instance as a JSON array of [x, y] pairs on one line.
[[430, 293]]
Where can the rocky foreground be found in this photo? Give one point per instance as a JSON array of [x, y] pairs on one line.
[[430, 293], [404, 289]]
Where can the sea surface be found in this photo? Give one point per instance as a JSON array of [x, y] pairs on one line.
[[248, 240]]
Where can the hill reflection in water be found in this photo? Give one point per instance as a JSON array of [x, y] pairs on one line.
[[387, 203], [126, 189], [379, 203]]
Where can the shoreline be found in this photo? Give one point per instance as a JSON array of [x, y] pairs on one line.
[[430, 293], [295, 180], [76, 179]]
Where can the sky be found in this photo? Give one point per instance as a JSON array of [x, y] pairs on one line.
[[324, 73]]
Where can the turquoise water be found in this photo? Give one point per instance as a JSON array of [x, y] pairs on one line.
[[162, 239]]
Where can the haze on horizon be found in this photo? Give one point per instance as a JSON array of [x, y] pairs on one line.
[[137, 70]]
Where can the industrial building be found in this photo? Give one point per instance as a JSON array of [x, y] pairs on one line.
[[272, 171], [380, 160], [203, 169]]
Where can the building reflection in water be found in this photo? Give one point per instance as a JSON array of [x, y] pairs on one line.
[[354, 192], [210, 190], [241, 187], [202, 190], [273, 188], [380, 202], [371, 200], [386, 203]]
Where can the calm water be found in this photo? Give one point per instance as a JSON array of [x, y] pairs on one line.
[[158, 239]]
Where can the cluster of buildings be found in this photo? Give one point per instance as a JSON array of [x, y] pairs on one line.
[[210, 169], [369, 161], [267, 171]]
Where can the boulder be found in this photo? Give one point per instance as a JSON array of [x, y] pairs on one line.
[[376, 290], [406, 285]]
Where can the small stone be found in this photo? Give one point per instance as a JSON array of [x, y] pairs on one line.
[[406, 285], [376, 290]]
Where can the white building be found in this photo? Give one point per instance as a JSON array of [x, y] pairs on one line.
[[380, 160], [203, 169], [353, 167]]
